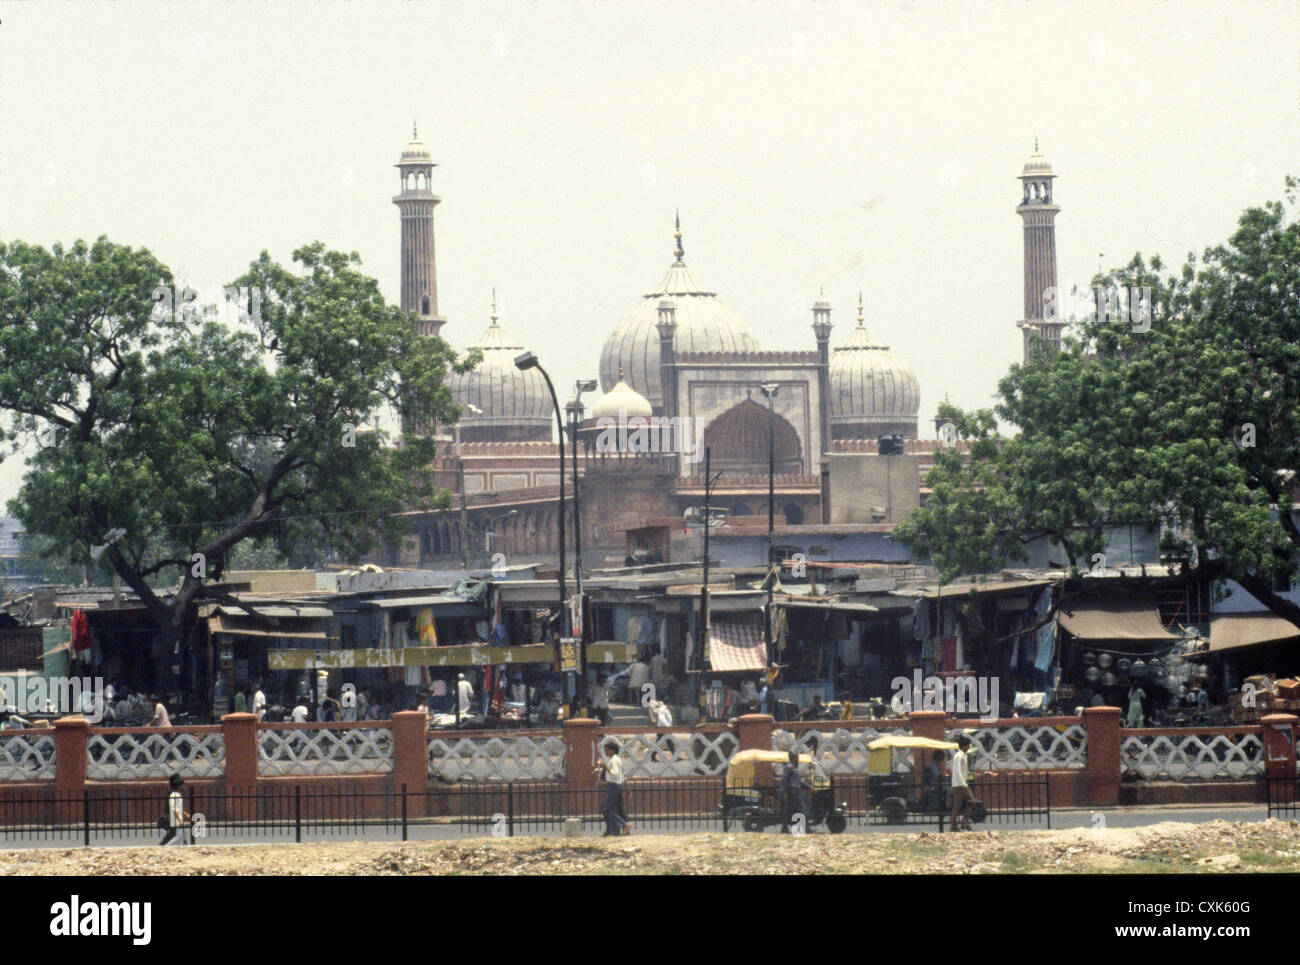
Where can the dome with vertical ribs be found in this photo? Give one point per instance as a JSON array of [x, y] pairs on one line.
[[870, 385], [504, 395], [704, 324]]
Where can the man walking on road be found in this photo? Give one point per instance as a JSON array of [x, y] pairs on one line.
[[615, 822], [962, 799], [793, 787], [176, 817]]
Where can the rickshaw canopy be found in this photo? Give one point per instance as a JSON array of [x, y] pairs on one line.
[[907, 740], [880, 752], [741, 768]]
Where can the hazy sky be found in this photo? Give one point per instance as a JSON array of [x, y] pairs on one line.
[[844, 145]]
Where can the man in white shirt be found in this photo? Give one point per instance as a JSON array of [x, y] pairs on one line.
[[465, 694], [160, 716], [612, 765], [962, 798], [177, 817], [259, 703], [637, 676], [300, 712], [600, 701]]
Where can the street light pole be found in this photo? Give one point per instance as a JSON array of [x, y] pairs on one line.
[[575, 420], [529, 361], [770, 390]]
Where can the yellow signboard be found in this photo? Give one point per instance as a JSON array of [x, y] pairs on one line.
[[469, 655], [570, 655]]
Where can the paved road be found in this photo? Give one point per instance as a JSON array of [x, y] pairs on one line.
[[1069, 818]]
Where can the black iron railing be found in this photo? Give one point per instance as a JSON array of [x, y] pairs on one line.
[[307, 812]]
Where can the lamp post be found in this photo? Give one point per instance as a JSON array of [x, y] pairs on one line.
[[460, 479], [529, 361], [574, 407], [770, 390]]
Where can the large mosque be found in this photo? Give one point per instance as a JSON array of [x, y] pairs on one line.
[[681, 359]]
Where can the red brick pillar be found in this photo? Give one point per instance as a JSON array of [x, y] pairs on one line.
[[926, 723], [70, 737], [411, 758], [754, 731], [239, 733], [1278, 735], [1102, 727], [581, 757]]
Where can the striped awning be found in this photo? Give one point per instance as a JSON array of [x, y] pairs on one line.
[[736, 646]]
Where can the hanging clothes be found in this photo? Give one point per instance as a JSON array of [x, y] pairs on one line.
[[81, 639], [920, 618], [948, 653], [1046, 633], [427, 630]]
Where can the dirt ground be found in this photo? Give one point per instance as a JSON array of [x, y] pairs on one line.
[[1215, 846]]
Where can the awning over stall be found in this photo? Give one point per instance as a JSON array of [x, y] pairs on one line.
[[736, 646], [1229, 631], [1116, 620]]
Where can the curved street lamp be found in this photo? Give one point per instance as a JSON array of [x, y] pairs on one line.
[[529, 361]]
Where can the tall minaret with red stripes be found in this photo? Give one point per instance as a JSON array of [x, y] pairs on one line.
[[1038, 211], [419, 265]]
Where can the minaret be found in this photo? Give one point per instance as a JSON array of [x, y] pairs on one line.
[[1042, 315], [822, 333], [416, 203]]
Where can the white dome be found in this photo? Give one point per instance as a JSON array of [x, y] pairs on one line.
[[622, 402], [505, 395], [704, 324], [415, 152], [1036, 166], [870, 384]]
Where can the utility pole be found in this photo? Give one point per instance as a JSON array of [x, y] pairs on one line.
[[770, 390], [709, 482]]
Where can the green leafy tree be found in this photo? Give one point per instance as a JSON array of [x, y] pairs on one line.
[[1181, 409], [168, 433]]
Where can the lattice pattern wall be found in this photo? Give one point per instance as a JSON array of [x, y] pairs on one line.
[[362, 750], [27, 756], [1192, 756], [1028, 747], [668, 753], [514, 758], [126, 756]]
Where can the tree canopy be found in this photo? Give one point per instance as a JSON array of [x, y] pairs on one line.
[[168, 431], [1176, 403]]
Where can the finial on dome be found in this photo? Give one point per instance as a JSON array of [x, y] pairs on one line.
[[861, 318], [494, 305], [1035, 143], [415, 131], [620, 373], [679, 251]]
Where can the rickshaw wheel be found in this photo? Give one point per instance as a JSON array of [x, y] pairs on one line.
[[753, 822], [836, 822]]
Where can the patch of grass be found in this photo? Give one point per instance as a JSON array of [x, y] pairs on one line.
[[1013, 862], [1268, 860]]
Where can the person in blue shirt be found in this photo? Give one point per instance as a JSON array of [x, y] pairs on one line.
[[793, 787], [763, 702]]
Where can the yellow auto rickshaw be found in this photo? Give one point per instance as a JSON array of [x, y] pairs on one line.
[[756, 806], [896, 794]]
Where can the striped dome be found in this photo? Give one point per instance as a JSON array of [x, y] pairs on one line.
[[505, 395], [870, 384], [704, 324]]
